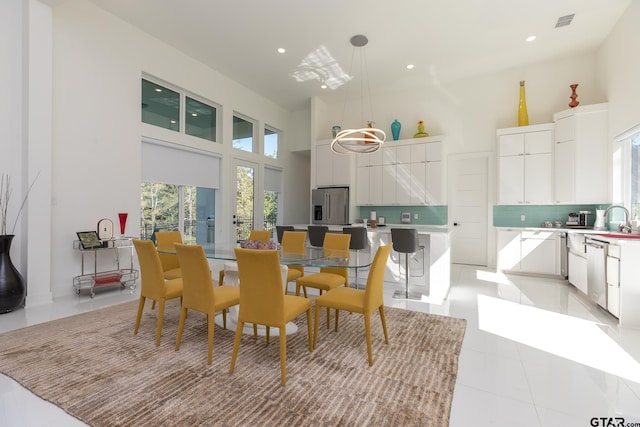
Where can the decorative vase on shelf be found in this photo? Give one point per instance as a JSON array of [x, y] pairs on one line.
[[421, 133], [523, 117], [366, 135], [573, 96], [122, 217], [12, 287], [395, 129]]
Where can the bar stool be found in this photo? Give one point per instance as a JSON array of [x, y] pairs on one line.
[[358, 241], [280, 229], [405, 241], [316, 234]]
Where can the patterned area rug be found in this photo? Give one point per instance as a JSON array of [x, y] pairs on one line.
[[93, 367]]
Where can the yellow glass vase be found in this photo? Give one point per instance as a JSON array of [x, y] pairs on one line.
[[523, 117]]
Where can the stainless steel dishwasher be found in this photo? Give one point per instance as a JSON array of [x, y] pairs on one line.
[[596, 271]]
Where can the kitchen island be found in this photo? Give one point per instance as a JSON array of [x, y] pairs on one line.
[[430, 268]]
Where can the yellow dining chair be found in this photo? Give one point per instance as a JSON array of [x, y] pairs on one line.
[[329, 277], [260, 235], [263, 302], [153, 283], [170, 264], [356, 301], [294, 242], [199, 293]]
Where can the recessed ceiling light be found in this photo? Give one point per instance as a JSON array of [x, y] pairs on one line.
[[530, 38], [323, 86], [281, 50], [410, 67]]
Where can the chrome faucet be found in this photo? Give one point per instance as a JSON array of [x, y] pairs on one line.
[[624, 228]]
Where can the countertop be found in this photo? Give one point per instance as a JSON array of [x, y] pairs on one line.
[[601, 234], [422, 229]]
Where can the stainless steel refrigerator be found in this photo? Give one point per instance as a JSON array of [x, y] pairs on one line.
[[330, 205]]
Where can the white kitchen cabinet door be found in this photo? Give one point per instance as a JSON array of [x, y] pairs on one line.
[[434, 151], [419, 152], [538, 179], [511, 144], [375, 185], [403, 183], [389, 184], [538, 142], [419, 183], [403, 154], [324, 165], [363, 186], [332, 168], [538, 253], [388, 155], [433, 183], [581, 154], [565, 172], [511, 186], [508, 245], [578, 272], [613, 285]]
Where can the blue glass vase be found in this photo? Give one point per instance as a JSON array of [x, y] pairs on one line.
[[395, 129]]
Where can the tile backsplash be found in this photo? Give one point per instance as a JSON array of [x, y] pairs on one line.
[[536, 215], [427, 215]]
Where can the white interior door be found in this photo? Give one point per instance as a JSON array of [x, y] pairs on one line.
[[468, 207]]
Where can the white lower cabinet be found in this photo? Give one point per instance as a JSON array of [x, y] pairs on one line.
[[613, 280], [578, 272], [527, 251]]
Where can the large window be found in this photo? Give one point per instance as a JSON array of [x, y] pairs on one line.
[[272, 199], [200, 120], [178, 192], [160, 106], [174, 109], [271, 143], [635, 174], [242, 134], [161, 211]]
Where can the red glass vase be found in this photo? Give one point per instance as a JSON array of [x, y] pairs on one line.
[[123, 222]]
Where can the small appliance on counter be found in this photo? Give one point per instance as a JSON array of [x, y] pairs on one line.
[[405, 217], [578, 219]]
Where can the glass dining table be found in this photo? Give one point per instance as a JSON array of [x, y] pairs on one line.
[[312, 257]]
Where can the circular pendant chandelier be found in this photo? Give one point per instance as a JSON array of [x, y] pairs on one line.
[[363, 140]]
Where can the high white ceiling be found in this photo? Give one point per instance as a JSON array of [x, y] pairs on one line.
[[445, 40]]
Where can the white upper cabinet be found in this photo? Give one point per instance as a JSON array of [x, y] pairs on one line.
[[331, 168], [406, 172], [581, 154], [525, 163]]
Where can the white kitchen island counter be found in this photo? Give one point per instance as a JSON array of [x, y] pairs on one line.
[[430, 269]]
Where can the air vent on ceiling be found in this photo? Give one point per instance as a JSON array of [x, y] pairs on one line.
[[564, 21]]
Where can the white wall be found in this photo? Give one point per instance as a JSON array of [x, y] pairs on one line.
[[83, 66], [468, 112], [619, 71]]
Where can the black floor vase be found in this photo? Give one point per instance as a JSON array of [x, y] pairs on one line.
[[12, 286]]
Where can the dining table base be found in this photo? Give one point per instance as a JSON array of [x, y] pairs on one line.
[[232, 323]]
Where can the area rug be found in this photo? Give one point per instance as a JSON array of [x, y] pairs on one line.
[[95, 368]]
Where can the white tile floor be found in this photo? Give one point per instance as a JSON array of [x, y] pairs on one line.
[[535, 353]]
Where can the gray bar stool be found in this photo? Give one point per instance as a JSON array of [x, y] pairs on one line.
[[405, 241], [280, 229], [358, 241], [316, 234]]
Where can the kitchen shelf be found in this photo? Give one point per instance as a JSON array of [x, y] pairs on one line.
[[98, 278]]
